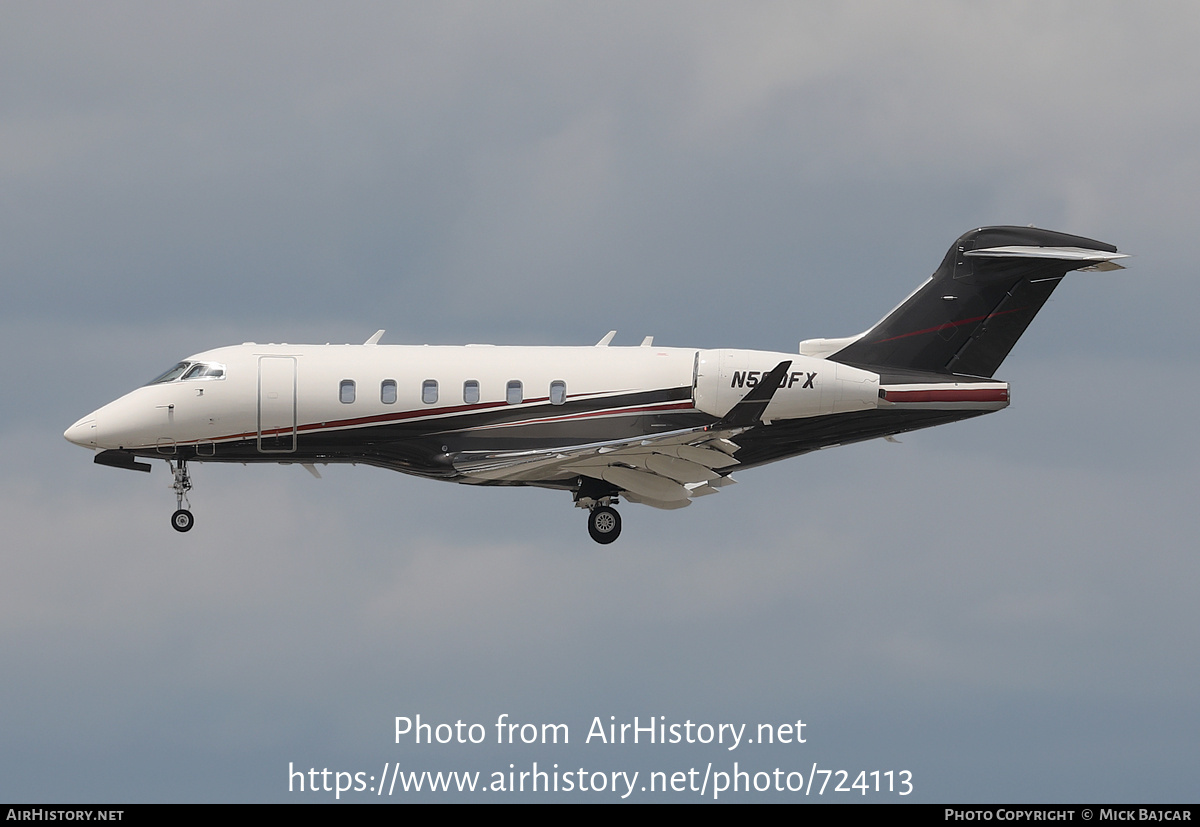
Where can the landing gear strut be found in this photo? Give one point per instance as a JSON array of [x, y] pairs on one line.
[[604, 524], [182, 519]]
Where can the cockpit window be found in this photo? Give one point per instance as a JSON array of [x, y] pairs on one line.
[[205, 370], [171, 375], [191, 370]]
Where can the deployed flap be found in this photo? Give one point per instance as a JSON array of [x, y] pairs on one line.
[[665, 505], [648, 485], [707, 457], [680, 470], [664, 470]]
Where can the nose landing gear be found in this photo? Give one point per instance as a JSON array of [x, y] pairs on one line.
[[182, 519]]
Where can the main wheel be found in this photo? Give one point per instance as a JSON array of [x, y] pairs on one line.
[[604, 524], [182, 520]]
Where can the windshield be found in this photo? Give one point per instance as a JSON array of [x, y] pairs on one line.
[[186, 371], [205, 370], [171, 375]]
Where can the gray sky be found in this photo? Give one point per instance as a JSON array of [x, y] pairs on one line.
[[1005, 607]]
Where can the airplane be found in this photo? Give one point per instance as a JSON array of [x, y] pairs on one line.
[[660, 426]]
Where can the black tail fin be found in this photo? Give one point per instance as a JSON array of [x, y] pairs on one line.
[[969, 315]]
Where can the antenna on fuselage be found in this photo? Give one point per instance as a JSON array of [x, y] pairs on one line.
[[374, 340]]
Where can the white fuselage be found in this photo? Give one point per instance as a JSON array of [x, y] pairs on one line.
[[307, 390]]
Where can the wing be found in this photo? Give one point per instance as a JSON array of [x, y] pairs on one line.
[[664, 470]]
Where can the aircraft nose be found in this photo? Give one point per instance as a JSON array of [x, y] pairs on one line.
[[82, 432]]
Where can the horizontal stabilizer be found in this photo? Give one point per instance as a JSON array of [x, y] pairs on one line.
[[1055, 253]]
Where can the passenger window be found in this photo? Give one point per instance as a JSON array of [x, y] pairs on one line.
[[429, 391], [513, 395], [470, 391], [346, 391], [558, 392], [387, 392]]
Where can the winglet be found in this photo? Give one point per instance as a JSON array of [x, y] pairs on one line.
[[750, 409], [608, 337], [374, 340]]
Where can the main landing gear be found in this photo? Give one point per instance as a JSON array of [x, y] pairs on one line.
[[604, 524], [182, 519], [597, 496]]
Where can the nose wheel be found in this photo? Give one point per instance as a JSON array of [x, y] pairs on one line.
[[182, 519], [604, 524]]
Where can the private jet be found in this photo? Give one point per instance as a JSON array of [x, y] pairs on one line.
[[654, 425]]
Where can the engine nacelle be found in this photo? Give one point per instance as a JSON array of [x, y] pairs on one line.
[[812, 387]]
